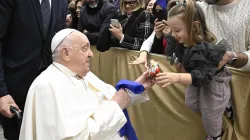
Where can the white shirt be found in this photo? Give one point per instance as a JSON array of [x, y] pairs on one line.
[[147, 44], [49, 2]]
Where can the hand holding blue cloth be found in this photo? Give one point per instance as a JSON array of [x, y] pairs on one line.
[[128, 130]]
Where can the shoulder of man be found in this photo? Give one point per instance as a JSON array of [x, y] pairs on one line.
[[107, 6], [202, 4]]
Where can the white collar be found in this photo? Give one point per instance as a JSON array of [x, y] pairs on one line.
[[66, 70]]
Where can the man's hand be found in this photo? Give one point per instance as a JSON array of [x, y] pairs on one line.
[[5, 103], [121, 98], [116, 32], [226, 59], [145, 80], [142, 59], [159, 26]]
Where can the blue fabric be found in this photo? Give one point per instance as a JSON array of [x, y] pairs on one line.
[[162, 3], [135, 87], [128, 130]]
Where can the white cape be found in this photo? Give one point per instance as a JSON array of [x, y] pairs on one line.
[[59, 107]]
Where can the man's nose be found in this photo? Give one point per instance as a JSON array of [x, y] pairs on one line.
[[90, 53]]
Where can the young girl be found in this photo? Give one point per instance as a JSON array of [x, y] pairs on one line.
[[208, 90]]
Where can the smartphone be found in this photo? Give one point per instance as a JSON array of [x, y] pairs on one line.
[[160, 14], [115, 22]]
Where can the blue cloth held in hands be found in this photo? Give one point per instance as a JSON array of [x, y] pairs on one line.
[[128, 130]]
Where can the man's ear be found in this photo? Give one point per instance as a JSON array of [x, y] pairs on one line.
[[64, 53]]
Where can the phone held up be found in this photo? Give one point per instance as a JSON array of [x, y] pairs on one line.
[[115, 22], [159, 13]]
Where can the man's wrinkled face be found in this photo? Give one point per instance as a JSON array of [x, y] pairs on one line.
[[212, 1]]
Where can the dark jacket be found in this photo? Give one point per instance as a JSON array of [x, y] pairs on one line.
[[136, 29], [95, 20], [24, 48]]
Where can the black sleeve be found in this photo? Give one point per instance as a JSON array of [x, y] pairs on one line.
[[5, 18], [202, 70], [104, 42], [171, 45], [112, 13], [157, 46]]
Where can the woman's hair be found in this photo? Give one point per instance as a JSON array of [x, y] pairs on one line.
[[191, 12], [80, 1], [140, 4], [146, 4]]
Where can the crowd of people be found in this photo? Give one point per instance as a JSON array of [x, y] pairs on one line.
[[45, 55]]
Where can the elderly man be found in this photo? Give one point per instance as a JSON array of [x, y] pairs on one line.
[[67, 102]]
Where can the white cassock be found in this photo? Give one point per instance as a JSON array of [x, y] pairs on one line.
[[60, 106]]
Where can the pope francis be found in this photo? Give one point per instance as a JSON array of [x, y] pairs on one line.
[[68, 102]]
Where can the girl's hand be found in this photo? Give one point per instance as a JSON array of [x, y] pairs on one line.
[[116, 32], [167, 78]]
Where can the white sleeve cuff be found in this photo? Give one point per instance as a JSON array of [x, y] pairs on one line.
[[137, 98], [122, 38], [247, 66], [147, 44]]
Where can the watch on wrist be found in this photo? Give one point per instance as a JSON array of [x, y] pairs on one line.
[[234, 58]]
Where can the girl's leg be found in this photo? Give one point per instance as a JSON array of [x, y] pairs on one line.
[[213, 99], [192, 98]]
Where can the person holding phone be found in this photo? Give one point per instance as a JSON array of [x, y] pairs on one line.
[[135, 25], [94, 17], [160, 12]]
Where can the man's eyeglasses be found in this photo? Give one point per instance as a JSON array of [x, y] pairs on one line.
[[130, 3]]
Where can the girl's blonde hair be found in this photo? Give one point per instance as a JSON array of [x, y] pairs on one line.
[[190, 13], [140, 4]]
